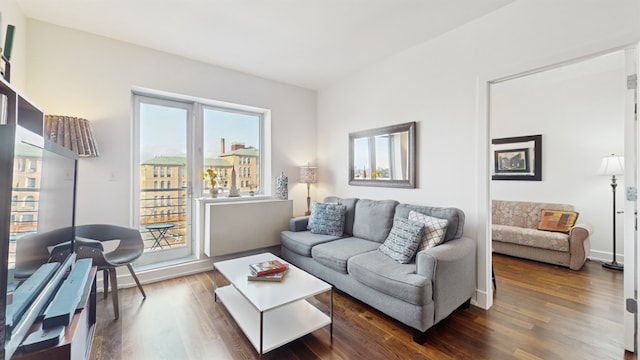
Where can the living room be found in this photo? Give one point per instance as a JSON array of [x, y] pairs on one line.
[[436, 83]]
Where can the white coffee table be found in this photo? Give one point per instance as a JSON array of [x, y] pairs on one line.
[[272, 314]]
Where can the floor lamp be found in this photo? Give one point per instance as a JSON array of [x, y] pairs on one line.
[[73, 133], [308, 175], [611, 166]]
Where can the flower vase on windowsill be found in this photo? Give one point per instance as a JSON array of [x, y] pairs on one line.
[[210, 176]]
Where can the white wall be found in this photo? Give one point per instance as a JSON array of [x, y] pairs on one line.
[[79, 74], [436, 84], [579, 110]]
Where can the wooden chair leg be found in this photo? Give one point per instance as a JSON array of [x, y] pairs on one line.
[[133, 273], [114, 292], [105, 283]]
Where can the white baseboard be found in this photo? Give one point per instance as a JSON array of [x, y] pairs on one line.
[[605, 256], [159, 274], [482, 299], [171, 271]]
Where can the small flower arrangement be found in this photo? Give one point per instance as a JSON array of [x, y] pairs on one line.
[[210, 176]]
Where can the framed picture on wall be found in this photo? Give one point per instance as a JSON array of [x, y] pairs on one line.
[[517, 158]]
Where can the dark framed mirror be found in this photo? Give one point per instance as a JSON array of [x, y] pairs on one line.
[[383, 156]]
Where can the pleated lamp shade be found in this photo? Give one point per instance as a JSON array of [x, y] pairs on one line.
[[71, 132]]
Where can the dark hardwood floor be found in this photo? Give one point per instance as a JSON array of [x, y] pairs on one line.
[[540, 312]]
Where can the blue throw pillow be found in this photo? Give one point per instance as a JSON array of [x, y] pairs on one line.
[[403, 240], [327, 218]]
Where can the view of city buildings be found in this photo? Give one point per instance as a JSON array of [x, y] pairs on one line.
[[163, 186], [163, 191], [26, 186], [25, 194]]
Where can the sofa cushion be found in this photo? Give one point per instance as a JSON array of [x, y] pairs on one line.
[[454, 217], [403, 240], [350, 204], [384, 274], [557, 220], [521, 213], [301, 242], [373, 219], [530, 237], [327, 219], [335, 254], [434, 229]]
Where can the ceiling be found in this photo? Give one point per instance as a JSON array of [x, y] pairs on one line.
[[308, 43]]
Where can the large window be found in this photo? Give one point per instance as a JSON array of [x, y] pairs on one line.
[[178, 140]]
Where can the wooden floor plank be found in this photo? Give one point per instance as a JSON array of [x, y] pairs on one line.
[[540, 312]]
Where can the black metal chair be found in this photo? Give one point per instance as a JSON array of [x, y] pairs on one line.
[[88, 244]]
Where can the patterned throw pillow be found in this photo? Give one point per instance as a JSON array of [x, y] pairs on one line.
[[557, 220], [403, 240], [434, 229], [327, 218]]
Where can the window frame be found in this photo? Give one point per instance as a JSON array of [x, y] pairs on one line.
[[153, 259], [195, 138], [264, 157]]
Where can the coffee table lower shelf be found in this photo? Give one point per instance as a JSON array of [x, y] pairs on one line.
[[280, 325]]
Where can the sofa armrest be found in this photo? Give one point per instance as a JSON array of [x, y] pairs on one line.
[[452, 269], [579, 245], [298, 224]]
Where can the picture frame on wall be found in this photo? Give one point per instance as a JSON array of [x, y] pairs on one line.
[[517, 158]]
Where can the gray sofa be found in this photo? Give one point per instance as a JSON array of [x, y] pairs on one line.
[[420, 293]]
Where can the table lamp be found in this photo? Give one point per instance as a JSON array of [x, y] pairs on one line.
[[308, 175]]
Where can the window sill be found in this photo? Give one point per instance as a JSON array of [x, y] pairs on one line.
[[225, 199]]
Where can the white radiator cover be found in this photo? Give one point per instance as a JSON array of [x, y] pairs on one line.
[[244, 225]]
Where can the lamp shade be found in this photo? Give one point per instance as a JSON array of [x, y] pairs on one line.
[[308, 174], [612, 165], [71, 132]]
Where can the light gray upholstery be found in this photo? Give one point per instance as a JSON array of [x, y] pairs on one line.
[[298, 223], [335, 254], [386, 275], [301, 242], [373, 219], [449, 266], [420, 293]]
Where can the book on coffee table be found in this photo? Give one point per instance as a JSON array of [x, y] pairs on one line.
[[271, 277], [267, 268]]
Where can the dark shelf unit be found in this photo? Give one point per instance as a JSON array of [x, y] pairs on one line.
[[17, 111], [78, 335]]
